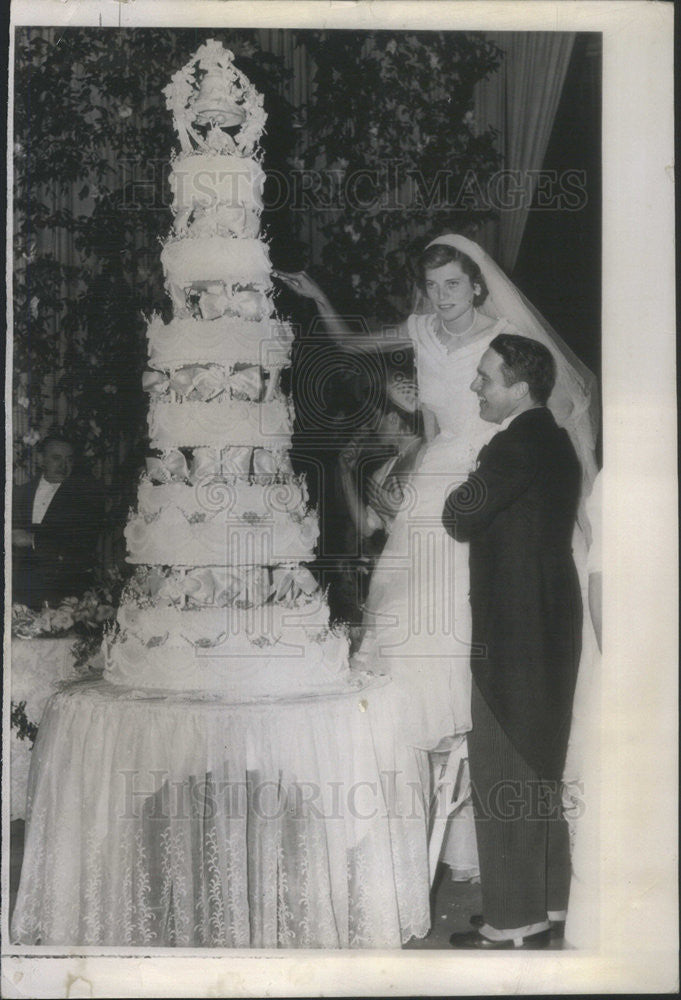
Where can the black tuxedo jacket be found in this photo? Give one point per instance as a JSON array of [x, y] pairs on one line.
[[64, 552], [518, 513]]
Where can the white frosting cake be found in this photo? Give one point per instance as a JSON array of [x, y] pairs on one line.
[[170, 537], [209, 258], [265, 651], [238, 500], [208, 180], [226, 341], [220, 601], [193, 423]]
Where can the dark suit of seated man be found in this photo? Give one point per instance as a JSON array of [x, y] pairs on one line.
[[56, 520], [518, 512]]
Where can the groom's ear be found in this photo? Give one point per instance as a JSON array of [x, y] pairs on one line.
[[520, 390]]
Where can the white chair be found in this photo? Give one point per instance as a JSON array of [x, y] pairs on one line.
[[451, 791]]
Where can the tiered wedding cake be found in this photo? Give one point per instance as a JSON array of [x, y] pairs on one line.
[[221, 601]]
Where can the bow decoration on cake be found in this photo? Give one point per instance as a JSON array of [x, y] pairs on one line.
[[264, 464], [203, 382], [256, 587], [205, 465], [155, 382], [214, 302], [171, 467], [290, 584], [201, 586], [208, 381], [236, 460], [247, 383], [167, 589], [249, 305], [222, 587]]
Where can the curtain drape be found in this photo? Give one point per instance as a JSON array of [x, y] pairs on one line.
[[520, 101]]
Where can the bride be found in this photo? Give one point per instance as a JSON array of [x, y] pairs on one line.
[[417, 615]]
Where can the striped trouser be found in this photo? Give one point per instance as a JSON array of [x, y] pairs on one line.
[[522, 835]]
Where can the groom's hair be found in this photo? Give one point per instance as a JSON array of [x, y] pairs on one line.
[[525, 360]]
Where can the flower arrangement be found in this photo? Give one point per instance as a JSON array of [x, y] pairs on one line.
[[84, 617], [87, 612]]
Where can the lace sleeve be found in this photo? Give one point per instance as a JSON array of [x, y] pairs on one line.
[[414, 328]]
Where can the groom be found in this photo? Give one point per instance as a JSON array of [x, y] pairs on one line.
[[518, 511]]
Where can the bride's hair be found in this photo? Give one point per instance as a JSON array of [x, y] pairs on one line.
[[439, 254]]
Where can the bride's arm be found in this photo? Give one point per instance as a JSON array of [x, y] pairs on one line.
[[371, 341], [360, 514], [430, 425]]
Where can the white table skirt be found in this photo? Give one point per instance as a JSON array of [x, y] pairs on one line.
[[39, 666], [161, 820]]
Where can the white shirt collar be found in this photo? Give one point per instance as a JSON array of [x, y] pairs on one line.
[[44, 495], [504, 423], [509, 420]]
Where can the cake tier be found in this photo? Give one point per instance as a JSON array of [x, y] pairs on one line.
[[268, 650], [207, 259], [205, 382], [193, 423], [257, 464], [240, 500], [205, 180], [223, 587], [243, 666], [210, 627], [171, 538], [226, 341]]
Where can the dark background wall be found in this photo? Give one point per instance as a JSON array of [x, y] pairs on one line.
[[559, 264]]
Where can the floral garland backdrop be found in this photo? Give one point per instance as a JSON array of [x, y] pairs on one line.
[[392, 154]]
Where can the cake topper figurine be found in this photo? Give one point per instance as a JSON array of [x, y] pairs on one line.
[[215, 107]]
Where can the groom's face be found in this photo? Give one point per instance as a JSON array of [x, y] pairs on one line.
[[497, 400]]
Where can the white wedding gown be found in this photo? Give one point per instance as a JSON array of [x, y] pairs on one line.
[[417, 614]]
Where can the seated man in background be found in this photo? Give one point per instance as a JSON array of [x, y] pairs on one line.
[[56, 519]]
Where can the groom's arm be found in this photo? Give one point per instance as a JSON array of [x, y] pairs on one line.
[[505, 473]]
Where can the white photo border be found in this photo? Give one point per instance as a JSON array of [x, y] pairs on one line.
[[639, 919]]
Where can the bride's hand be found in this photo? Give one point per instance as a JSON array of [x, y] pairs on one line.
[[301, 283], [386, 499], [349, 456]]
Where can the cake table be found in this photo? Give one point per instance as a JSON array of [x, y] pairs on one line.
[[39, 666], [165, 820]]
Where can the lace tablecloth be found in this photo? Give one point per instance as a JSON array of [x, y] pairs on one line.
[[39, 666], [158, 820]]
